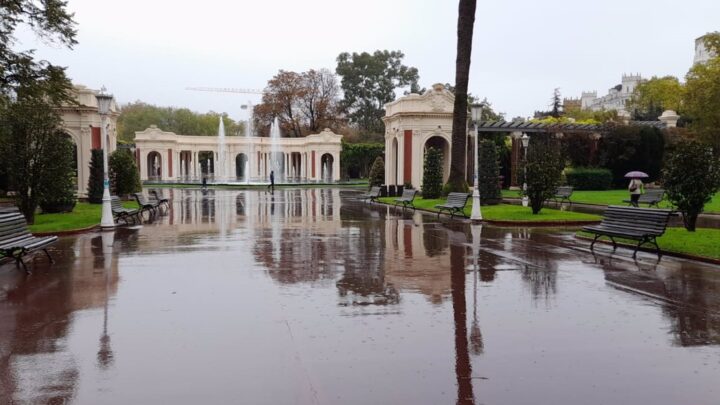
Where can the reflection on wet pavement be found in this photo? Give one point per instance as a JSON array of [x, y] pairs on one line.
[[308, 296]]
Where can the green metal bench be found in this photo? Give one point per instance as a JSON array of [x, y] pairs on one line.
[[563, 194], [121, 213], [372, 195], [16, 240], [642, 224], [651, 197], [407, 198], [455, 203]]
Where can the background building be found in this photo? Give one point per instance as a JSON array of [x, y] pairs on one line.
[[702, 54], [617, 96]]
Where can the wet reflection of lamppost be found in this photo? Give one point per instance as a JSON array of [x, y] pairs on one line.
[[476, 341], [105, 354]]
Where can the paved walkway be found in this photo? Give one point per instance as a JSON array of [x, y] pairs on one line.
[[309, 297]]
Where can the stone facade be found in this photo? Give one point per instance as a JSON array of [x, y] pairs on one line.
[[702, 54], [413, 123], [617, 96], [82, 123], [166, 156]]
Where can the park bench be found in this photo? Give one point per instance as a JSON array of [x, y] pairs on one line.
[[642, 224], [146, 205], [651, 197], [121, 213], [407, 198], [563, 194], [16, 240], [455, 203], [372, 195], [160, 198]]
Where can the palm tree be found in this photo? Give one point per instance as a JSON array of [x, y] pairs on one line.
[[466, 21]]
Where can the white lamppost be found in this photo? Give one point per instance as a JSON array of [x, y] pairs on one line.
[[525, 142], [104, 100], [476, 214]]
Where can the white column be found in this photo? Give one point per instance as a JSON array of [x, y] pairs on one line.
[[336, 167]]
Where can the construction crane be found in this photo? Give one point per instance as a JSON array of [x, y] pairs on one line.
[[248, 106]]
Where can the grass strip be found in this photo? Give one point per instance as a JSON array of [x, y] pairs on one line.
[[704, 242], [615, 197], [83, 216], [506, 212]]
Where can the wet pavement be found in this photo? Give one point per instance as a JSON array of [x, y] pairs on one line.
[[309, 297]]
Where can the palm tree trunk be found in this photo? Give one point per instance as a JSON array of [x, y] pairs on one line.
[[466, 21]]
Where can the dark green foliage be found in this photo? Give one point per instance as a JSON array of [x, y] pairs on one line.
[[138, 116], [369, 82], [58, 187], [356, 158], [691, 176], [29, 149], [577, 149], [544, 169], [95, 182], [489, 173], [377, 172], [432, 185], [124, 175], [627, 148], [589, 178]]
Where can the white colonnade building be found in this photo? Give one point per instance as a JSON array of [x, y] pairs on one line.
[[166, 156]]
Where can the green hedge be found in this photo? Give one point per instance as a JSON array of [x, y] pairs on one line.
[[582, 178]]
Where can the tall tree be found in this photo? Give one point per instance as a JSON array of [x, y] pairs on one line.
[[303, 102], [701, 102], [51, 21], [369, 82], [319, 103], [466, 22], [650, 98]]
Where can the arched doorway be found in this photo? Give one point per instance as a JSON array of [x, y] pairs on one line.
[[240, 169], [438, 142], [326, 167], [207, 163], [154, 166]]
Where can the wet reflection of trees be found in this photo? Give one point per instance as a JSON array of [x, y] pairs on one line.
[[463, 368], [692, 299], [36, 316], [435, 240], [541, 281]]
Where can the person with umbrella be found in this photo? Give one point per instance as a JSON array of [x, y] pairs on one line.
[[636, 186]]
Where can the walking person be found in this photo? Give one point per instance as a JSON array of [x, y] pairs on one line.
[[271, 186], [636, 189], [204, 183]]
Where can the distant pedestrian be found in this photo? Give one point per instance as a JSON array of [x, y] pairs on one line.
[[271, 186], [636, 189], [204, 183]]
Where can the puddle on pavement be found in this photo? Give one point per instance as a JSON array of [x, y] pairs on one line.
[[309, 296]]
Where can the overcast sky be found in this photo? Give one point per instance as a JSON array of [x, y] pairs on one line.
[[150, 50]]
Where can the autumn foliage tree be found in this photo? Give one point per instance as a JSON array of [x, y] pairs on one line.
[[304, 103]]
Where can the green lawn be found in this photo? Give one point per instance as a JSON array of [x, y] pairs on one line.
[[615, 197], [506, 212], [703, 242], [84, 215]]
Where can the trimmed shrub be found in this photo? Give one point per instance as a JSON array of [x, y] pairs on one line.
[[489, 173], [544, 169], [356, 158], [432, 186], [691, 177], [577, 149], [58, 187], [588, 178], [95, 182], [124, 176], [377, 172]]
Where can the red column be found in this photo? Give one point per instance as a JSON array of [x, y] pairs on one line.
[[313, 164], [407, 154], [170, 162], [96, 137], [514, 162], [137, 157]]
